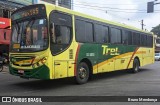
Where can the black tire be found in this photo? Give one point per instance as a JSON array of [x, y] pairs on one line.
[[136, 66], [1, 68], [82, 73]]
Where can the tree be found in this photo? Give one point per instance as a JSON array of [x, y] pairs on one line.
[[156, 30]]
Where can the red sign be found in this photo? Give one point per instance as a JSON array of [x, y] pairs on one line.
[[5, 33], [5, 22], [5, 36]]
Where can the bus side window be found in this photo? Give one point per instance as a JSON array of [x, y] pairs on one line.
[[125, 37], [115, 36], [101, 33]]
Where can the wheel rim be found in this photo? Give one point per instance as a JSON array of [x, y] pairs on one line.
[[82, 73], [136, 66]]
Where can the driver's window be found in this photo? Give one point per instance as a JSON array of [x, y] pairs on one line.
[[60, 31], [62, 34]]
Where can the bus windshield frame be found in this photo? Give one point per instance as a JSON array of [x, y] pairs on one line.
[[29, 29]]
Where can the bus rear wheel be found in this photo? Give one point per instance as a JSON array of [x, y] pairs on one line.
[[82, 74], [136, 66]]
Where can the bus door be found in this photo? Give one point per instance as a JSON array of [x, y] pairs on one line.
[[61, 47]]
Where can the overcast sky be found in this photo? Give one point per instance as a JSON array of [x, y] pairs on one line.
[[129, 12]]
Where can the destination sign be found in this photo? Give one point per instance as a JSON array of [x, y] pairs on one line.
[[29, 11]]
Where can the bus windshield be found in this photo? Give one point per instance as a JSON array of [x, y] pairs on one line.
[[29, 35]]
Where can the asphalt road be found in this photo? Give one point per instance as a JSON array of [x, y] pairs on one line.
[[121, 83]]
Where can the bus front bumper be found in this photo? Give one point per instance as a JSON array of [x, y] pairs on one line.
[[41, 72]]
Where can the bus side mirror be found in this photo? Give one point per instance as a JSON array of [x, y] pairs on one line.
[[52, 32]]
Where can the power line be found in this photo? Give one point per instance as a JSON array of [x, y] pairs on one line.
[[82, 6], [95, 5], [133, 21], [113, 8], [110, 4], [118, 16]]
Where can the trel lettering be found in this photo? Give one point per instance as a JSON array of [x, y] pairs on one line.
[[110, 51]]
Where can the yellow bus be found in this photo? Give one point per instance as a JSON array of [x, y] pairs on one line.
[[51, 42]]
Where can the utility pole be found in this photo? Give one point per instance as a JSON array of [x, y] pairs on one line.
[[142, 23]]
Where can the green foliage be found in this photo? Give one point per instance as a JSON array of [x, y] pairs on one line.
[[156, 30]]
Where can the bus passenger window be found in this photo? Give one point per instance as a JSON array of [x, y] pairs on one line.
[[101, 34], [126, 37], [115, 36]]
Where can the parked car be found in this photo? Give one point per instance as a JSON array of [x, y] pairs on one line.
[[157, 56]]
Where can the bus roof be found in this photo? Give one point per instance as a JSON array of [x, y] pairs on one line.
[[96, 18], [62, 9]]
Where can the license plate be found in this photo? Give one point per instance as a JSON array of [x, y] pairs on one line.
[[21, 71]]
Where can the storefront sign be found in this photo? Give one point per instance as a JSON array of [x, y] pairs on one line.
[[4, 22]]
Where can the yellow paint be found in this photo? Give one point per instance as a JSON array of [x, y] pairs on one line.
[[111, 61], [61, 69], [120, 62]]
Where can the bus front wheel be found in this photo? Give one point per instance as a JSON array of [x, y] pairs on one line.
[[82, 73], [136, 65]]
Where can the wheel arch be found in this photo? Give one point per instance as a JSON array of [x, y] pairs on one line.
[[89, 63]]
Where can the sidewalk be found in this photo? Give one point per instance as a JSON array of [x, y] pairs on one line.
[[5, 68]]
